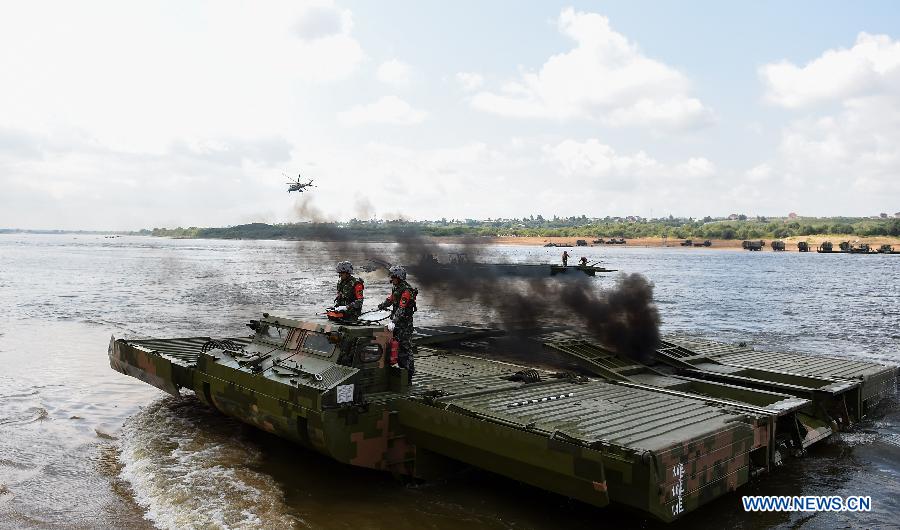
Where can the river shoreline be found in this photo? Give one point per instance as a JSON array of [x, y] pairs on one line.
[[541, 241], [658, 242], [644, 242]]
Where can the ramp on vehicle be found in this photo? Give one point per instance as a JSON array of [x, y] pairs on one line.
[[166, 364], [860, 384]]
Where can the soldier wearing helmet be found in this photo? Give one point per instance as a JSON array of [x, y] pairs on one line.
[[402, 302], [349, 299]]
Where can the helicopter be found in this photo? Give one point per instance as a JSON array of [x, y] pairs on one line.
[[298, 186]]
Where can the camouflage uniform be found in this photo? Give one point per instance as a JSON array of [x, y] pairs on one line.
[[402, 302], [350, 294]]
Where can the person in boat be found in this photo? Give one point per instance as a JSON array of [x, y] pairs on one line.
[[402, 302], [583, 261], [565, 258], [349, 299]]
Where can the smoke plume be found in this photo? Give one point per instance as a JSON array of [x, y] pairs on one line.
[[623, 318]]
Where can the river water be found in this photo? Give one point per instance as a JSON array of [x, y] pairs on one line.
[[82, 446]]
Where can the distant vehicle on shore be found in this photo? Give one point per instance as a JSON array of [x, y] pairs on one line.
[[753, 245]]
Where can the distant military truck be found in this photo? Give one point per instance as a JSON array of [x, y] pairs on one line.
[[753, 245], [687, 243], [887, 249], [803, 246], [844, 246], [777, 246], [825, 248], [581, 243]]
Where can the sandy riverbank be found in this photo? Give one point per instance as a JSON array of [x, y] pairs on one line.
[[721, 244]]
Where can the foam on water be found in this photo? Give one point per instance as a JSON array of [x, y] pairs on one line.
[[189, 468]]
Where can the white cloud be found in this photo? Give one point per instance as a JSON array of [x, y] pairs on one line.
[[395, 73], [610, 169], [871, 65], [469, 81], [759, 173], [122, 85], [325, 49], [855, 150], [845, 153], [389, 110], [604, 77], [72, 182], [695, 167], [322, 21]]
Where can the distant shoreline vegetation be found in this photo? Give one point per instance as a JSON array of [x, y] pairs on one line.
[[631, 227]]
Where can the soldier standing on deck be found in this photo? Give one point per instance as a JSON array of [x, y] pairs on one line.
[[402, 302], [349, 299], [565, 258]]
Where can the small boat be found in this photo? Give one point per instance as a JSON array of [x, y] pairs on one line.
[[590, 270]]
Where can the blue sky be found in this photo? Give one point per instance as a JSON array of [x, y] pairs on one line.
[[116, 116]]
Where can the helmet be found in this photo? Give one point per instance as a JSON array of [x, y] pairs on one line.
[[398, 271], [344, 266]]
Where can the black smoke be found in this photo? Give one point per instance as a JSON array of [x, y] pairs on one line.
[[623, 318]]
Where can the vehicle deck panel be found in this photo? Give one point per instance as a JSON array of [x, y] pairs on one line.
[[437, 334], [183, 351], [602, 412], [587, 410], [799, 363]]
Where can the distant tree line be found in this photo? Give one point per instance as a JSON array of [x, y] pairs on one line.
[[632, 227]]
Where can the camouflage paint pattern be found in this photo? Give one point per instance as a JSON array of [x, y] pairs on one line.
[[326, 386]]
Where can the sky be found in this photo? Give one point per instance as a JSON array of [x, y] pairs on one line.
[[129, 115]]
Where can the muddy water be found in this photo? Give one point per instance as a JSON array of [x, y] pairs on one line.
[[82, 446]]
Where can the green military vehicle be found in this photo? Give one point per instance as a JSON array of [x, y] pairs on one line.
[[586, 422], [803, 246], [827, 247], [777, 246], [753, 245]]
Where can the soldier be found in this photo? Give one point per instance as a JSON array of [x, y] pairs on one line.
[[402, 302], [349, 299], [565, 258], [583, 261]]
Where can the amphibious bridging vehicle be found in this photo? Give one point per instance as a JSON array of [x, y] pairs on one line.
[[664, 436]]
